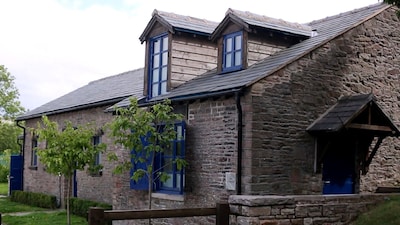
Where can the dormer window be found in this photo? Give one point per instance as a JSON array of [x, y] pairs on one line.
[[232, 52], [158, 69]]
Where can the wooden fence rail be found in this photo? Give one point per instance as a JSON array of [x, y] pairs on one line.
[[99, 216]]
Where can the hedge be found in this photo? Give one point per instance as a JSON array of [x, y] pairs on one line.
[[34, 199], [80, 207]]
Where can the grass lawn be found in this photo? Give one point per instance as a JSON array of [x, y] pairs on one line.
[[386, 213], [7, 206], [38, 217], [42, 218], [3, 188]]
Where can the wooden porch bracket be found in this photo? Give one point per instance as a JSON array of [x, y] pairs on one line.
[[368, 159]]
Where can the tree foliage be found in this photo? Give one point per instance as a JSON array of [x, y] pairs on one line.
[[394, 2], [9, 133], [10, 107], [67, 149], [146, 131]]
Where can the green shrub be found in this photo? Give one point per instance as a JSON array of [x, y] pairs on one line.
[[4, 171], [4, 166], [34, 199], [80, 207]]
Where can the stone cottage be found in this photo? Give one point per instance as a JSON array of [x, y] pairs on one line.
[[287, 108], [272, 107]]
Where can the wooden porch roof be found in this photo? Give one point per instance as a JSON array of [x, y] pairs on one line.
[[358, 112]]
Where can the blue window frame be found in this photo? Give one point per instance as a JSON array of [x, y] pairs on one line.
[[164, 162], [158, 70], [34, 150], [232, 52], [97, 141]]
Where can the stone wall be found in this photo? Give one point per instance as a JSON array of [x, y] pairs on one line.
[[300, 209], [96, 188], [211, 149], [283, 105]]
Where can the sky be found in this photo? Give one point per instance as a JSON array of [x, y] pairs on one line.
[[53, 47]]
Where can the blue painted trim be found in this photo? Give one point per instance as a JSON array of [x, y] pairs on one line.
[[177, 188], [142, 184], [232, 52], [159, 66]]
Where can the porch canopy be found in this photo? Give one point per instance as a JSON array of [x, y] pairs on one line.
[[358, 118]]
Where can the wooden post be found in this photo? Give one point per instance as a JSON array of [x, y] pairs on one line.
[[96, 216], [0, 219], [223, 211]]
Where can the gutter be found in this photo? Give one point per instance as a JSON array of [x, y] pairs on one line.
[[192, 97], [72, 108], [239, 143], [22, 152]]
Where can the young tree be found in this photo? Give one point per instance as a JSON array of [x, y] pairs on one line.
[[67, 150], [145, 132]]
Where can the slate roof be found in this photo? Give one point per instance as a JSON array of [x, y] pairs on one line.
[[109, 90], [340, 114], [213, 83], [247, 19], [344, 112], [179, 22]]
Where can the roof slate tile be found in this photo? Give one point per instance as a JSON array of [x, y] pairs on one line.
[[106, 90]]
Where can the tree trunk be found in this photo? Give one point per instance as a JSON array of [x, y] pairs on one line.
[[151, 182], [67, 200], [150, 191]]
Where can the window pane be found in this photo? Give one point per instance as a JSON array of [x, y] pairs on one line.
[[238, 42], [238, 58], [98, 159], [170, 182], [228, 60], [179, 132], [165, 43], [168, 165], [178, 179], [228, 45], [168, 151], [164, 73], [155, 75], [155, 90], [156, 61], [165, 58], [163, 87], [156, 46], [178, 149]]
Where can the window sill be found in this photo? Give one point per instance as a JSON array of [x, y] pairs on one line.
[[180, 198], [32, 167], [96, 174]]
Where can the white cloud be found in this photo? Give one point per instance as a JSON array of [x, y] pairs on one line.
[[53, 47]]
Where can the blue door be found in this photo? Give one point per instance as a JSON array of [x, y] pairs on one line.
[[16, 166], [74, 185], [338, 170]]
